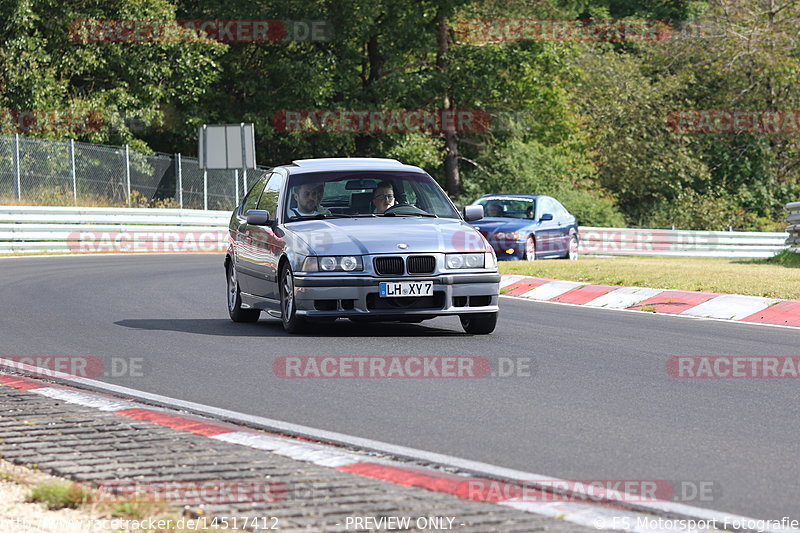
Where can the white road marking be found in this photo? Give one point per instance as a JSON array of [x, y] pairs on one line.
[[551, 290], [85, 399], [730, 307], [505, 281], [624, 297]]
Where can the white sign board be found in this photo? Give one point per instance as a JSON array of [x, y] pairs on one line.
[[227, 146]]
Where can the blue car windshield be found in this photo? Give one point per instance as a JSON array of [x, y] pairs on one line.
[[365, 194], [508, 207]]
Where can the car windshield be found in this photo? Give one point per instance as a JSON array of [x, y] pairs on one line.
[[365, 194], [507, 207]]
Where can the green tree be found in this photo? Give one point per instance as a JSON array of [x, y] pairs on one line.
[[45, 66]]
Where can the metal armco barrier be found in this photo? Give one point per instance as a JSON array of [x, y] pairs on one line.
[[793, 229], [680, 243], [101, 229]]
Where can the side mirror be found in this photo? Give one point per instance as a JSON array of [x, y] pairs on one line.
[[472, 213], [257, 217], [546, 216]]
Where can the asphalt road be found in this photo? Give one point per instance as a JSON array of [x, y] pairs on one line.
[[600, 405]]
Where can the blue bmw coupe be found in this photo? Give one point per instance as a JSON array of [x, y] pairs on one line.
[[528, 227]]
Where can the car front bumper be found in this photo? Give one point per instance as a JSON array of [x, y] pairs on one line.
[[508, 250], [354, 296]]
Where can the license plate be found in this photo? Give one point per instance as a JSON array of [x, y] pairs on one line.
[[396, 289]]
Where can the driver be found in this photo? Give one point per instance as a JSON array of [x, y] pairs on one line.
[[493, 209], [308, 196], [383, 197]]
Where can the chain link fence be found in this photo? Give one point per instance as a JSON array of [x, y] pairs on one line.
[[45, 172]]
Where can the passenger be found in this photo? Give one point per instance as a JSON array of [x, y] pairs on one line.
[[529, 212], [383, 197], [308, 197]]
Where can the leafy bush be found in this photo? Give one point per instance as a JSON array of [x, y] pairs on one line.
[[60, 196], [694, 211], [521, 167], [590, 209], [139, 200]]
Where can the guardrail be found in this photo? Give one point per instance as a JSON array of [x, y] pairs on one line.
[[26, 229], [793, 218], [681, 243]]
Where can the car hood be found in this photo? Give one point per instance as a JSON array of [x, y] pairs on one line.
[[489, 226], [358, 236]]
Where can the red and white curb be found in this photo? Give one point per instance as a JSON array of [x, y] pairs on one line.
[[475, 481], [751, 309]]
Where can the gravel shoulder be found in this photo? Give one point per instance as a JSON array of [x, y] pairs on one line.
[[98, 448]]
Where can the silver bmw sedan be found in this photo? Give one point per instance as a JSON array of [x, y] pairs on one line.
[[357, 238]]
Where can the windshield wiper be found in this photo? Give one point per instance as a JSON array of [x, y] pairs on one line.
[[318, 216], [431, 215]]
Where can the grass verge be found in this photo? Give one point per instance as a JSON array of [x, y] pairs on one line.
[[60, 495], [777, 277]]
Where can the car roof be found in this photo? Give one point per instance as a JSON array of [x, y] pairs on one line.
[[523, 196], [301, 166]]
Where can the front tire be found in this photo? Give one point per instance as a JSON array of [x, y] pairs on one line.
[[235, 310], [291, 322], [479, 323], [572, 249]]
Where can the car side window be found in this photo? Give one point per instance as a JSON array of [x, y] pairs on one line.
[[545, 206], [269, 199], [251, 200], [560, 210]]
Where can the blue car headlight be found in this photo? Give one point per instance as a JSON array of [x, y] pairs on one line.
[[509, 236]]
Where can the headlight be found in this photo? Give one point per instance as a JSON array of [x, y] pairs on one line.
[[455, 261], [327, 264], [333, 263], [510, 236], [474, 261], [350, 263]]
